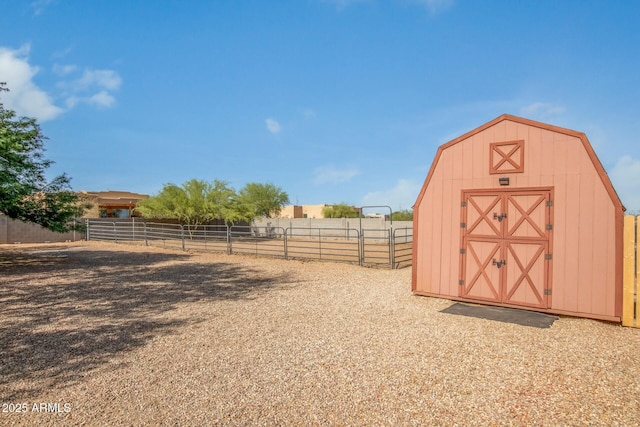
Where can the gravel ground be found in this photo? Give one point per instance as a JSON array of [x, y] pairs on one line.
[[105, 334]]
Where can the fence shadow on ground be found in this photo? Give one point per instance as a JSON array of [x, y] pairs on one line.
[[66, 313]]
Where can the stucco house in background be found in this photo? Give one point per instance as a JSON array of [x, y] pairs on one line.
[[112, 204], [521, 214], [105, 204], [306, 211]]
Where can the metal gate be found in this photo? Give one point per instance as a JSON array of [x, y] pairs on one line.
[[506, 246]]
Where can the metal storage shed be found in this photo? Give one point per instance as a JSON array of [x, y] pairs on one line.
[[521, 214]]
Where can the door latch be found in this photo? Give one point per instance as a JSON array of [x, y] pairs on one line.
[[499, 217], [499, 263]]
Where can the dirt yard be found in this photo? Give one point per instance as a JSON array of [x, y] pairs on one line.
[[107, 334]]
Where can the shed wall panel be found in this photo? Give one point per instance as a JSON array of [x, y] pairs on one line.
[[534, 161], [436, 232], [562, 234], [548, 160], [450, 244], [584, 290], [567, 265], [478, 159]]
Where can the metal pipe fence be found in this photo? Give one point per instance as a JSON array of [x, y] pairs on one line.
[[390, 248], [327, 244], [402, 247]]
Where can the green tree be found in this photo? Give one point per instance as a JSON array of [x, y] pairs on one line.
[[262, 200], [194, 203], [403, 215], [25, 193], [340, 210]]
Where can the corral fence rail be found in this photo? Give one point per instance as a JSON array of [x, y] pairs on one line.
[[391, 248]]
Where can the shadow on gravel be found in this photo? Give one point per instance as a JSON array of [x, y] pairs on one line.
[[67, 312]]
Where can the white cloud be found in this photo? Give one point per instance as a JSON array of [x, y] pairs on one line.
[[402, 196], [625, 177], [309, 113], [343, 4], [24, 96], [105, 79], [71, 101], [434, 6], [39, 6], [273, 126], [59, 54], [93, 87], [328, 174], [102, 99], [63, 70], [542, 110]]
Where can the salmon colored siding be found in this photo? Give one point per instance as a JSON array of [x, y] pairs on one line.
[[583, 275]]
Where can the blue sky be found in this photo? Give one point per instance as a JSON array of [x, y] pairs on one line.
[[331, 100]]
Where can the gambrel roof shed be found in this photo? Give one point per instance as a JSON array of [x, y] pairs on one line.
[[522, 214]]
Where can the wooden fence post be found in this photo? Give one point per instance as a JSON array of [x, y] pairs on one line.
[[631, 263]]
